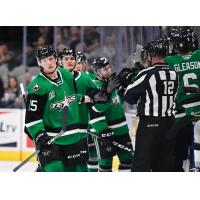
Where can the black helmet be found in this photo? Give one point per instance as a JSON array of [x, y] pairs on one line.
[[45, 52], [167, 42], [100, 62], [186, 40], [156, 48], [67, 51], [172, 41], [80, 56], [182, 39], [195, 44]]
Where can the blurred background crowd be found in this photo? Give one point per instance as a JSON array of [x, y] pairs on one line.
[[19, 44]]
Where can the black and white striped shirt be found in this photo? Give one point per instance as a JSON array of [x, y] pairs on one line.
[[154, 90]]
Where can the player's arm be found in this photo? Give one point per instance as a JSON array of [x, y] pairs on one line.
[[134, 90], [34, 113]]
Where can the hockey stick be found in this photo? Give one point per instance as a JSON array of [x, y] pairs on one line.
[[25, 161], [36, 152], [64, 126], [23, 93], [120, 146], [192, 156]]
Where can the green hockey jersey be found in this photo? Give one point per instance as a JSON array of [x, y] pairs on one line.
[[93, 75], [188, 70], [45, 102], [108, 115], [84, 84]]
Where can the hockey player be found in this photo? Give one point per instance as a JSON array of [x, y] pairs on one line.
[[81, 62], [127, 75], [90, 69], [109, 123], [154, 92], [84, 85], [186, 64], [48, 93], [92, 163]]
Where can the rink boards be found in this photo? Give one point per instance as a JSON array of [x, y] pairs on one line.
[[15, 144]]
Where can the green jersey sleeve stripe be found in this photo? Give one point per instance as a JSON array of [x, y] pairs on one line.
[[33, 123], [118, 125], [191, 105], [136, 83], [83, 130], [65, 133], [180, 115], [95, 109], [97, 120]]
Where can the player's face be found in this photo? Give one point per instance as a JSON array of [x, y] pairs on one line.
[[49, 64], [106, 71], [68, 62], [79, 67]]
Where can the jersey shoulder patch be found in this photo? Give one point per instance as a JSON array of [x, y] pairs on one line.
[[38, 85]]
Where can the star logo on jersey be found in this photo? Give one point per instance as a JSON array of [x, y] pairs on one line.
[[36, 87], [60, 104]]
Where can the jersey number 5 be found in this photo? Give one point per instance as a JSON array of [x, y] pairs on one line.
[[33, 105]]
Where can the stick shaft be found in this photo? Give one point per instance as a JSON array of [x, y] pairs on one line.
[[23, 93], [121, 146], [25, 161]]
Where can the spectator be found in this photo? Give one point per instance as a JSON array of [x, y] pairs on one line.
[[1, 91], [91, 38], [47, 33], [6, 57], [60, 42], [30, 56], [41, 41], [74, 36], [43, 31], [28, 78], [11, 98]]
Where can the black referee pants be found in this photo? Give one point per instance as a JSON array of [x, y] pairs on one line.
[[153, 152]]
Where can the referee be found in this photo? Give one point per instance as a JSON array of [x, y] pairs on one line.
[[154, 91]]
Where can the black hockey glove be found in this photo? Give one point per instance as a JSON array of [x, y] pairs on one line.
[[47, 152], [105, 143], [100, 97], [125, 76], [113, 83], [41, 141]]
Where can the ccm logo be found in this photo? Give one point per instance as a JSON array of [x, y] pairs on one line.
[[106, 135], [73, 156]]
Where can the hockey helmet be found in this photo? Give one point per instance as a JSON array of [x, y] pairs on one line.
[[156, 48], [67, 51], [100, 62], [80, 56], [45, 52]]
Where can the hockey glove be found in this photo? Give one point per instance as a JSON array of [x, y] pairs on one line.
[[125, 76], [41, 140], [47, 152], [113, 83], [100, 97], [105, 140]]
